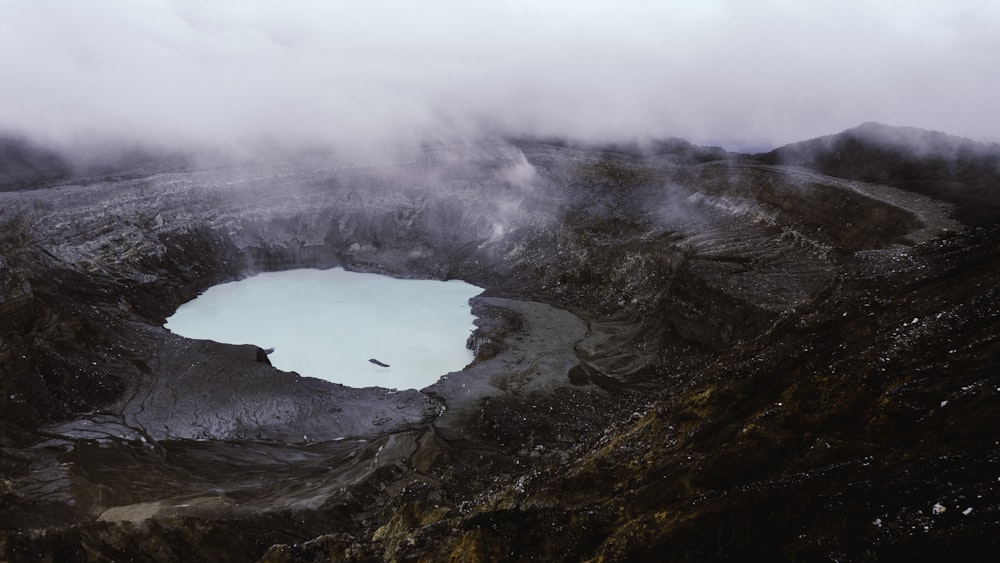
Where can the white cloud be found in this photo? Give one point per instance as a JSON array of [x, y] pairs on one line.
[[183, 72]]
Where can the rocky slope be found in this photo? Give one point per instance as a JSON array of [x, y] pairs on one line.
[[683, 354]]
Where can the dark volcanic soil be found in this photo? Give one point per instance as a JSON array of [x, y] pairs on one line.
[[687, 355]]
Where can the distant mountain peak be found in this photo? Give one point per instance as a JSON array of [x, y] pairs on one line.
[[954, 169], [923, 141]]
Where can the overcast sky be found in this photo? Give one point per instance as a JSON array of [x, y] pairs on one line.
[[742, 73]]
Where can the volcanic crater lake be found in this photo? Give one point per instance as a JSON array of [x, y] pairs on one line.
[[328, 324]]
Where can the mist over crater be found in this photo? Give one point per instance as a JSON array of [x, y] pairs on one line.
[[261, 75]]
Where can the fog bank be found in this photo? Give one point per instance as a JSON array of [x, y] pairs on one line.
[[320, 73]]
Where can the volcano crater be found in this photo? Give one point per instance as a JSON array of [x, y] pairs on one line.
[[646, 320]]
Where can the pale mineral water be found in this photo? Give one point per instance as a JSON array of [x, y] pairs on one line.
[[329, 324]]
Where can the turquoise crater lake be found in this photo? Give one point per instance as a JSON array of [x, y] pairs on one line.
[[328, 324]]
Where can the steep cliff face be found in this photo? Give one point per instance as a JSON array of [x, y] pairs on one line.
[[670, 347]]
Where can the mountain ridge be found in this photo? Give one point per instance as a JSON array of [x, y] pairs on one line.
[[954, 169]]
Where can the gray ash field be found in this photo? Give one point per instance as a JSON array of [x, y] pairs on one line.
[[682, 354]]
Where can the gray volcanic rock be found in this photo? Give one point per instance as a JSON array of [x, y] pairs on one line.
[[671, 344]]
